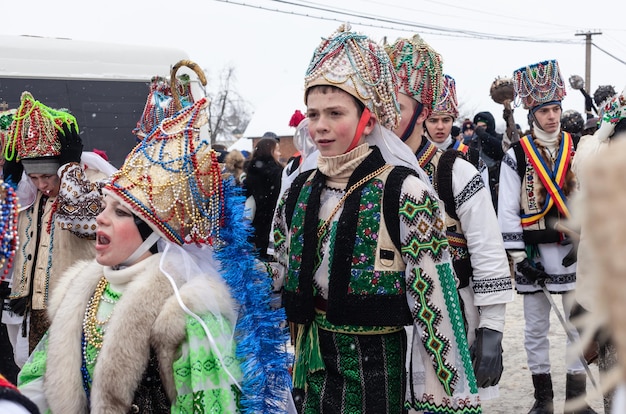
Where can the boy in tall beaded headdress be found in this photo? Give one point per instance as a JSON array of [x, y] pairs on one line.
[[438, 125], [173, 315], [59, 196], [536, 183], [353, 276], [478, 254]]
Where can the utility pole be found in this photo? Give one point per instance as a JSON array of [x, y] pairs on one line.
[[588, 56]]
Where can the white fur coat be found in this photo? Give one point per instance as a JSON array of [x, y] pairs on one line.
[[146, 315]]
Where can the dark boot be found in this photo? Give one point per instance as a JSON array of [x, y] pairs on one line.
[[575, 387], [543, 394]]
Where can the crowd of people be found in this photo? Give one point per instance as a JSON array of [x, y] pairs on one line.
[[370, 273]]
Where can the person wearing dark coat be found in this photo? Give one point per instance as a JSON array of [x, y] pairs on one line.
[[263, 179], [489, 144]]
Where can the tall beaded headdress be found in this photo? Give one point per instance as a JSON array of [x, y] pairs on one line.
[[538, 84], [419, 68], [33, 133], [172, 180], [447, 103], [359, 66]]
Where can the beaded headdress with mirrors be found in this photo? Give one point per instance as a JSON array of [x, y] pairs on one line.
[[447, 103], [33, 133], [172, 180], [538, 84], [419, 68], [359, 66]]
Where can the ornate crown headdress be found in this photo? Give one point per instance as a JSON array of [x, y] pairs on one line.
[[33, 132], [172, 180], [419, 68], [447, 103], [359, 66], [538, 84]]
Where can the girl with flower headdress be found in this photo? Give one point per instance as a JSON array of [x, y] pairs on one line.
[[352, 276], [173, 314]]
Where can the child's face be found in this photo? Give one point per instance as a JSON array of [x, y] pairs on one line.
[[49, 184], [439, 127], [333, 119], [117, 236]]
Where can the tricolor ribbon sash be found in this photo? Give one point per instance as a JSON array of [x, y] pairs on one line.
[[459, 146], [552, 180]]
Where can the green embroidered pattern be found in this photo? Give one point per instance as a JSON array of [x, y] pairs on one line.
[[429, 318], [350, 363], [429, 168], [429, 237], [201, 379], [35, 367], [428, 407], [296, 243], [364, 279], [279, 235], [448, 284], [323, 323]]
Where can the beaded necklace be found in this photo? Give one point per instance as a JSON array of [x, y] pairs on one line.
[[95, 329], [8, 228]]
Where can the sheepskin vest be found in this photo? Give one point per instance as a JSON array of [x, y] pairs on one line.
[[142, 338]]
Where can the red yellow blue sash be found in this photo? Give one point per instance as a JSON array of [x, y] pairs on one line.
[[426, 154], [459, 146], [552, 180]]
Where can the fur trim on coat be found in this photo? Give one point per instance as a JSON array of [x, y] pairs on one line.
[[147, 315]]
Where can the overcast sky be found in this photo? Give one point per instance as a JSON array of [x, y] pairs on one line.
[[269, 43]]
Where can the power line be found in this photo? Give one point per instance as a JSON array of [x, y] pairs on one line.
[[488, 13], [405, 25], [609, 54], [465, 33]]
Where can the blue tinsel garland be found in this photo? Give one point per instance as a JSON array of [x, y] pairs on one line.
[[261, 342]]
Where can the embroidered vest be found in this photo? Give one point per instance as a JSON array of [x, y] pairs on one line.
[[366, 280], [536, 216]]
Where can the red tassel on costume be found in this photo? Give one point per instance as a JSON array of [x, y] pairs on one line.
[[296, 118]]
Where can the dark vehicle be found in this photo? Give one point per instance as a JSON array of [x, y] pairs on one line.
[[104, 85]]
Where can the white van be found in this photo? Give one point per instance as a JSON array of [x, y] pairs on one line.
[[103, 85]]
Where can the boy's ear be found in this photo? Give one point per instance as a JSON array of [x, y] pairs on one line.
[[371, 123], [423, 116]]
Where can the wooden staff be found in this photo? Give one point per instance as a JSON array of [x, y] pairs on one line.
[[502, 92]]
